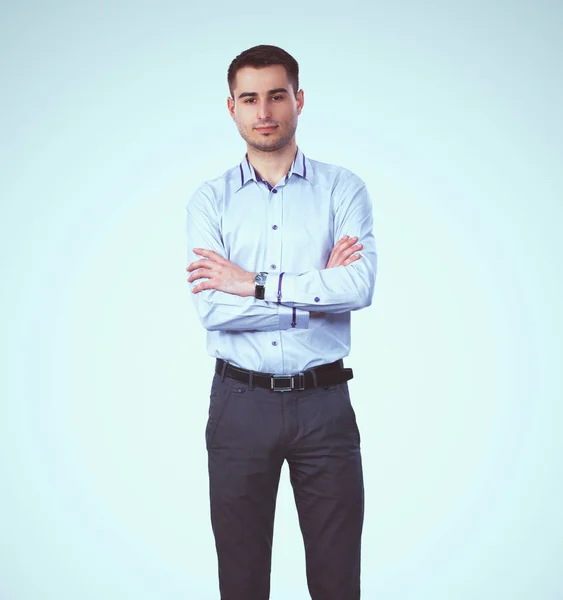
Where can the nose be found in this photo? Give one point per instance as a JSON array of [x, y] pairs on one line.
[[263, 110]]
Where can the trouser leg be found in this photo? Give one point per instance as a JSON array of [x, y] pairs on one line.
[[326, 475], [244, 472]]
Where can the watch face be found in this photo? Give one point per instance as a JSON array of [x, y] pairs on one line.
[[260, 278]]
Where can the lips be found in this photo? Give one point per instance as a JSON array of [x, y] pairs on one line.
[[270, 128]]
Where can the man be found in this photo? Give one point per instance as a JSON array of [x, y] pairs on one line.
[[275, 293]]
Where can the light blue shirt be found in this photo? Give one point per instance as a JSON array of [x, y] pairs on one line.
[[289, 231]]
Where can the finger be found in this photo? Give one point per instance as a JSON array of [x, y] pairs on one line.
[[355, 248], [347, 252], [199, 264], [200, 273], [350, 260], [346, 240], [204, 285], [353, 240], [345, 243], [209, 254]]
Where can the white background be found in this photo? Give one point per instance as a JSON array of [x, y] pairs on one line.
[[111, 115]]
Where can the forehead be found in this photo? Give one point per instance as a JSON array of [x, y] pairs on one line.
[[260, 80]]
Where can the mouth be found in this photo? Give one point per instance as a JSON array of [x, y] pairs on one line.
[[266, 129]]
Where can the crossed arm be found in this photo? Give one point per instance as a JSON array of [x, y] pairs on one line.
[[225, 276], [223, 292]]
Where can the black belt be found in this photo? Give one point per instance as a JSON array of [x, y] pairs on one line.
[[320, 376]]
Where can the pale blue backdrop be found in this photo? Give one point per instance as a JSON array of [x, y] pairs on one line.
[[111, 114]]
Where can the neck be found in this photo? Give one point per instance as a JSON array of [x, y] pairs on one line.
[[272, 166]]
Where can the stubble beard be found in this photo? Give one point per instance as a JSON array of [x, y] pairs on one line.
[[268, 144]]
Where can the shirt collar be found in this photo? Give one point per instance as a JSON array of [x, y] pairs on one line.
[[299, 167]]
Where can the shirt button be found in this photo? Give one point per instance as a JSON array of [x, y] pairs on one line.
[[274, 226], [273, 267], [317, 299], [275, 191], [274, 343]]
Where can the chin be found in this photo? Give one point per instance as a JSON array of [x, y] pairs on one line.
[[271, 148]]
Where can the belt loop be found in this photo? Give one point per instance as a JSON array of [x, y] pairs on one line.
[[223, 369], [250, 376], [314, 375]]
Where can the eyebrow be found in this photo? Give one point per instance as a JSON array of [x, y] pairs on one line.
[[270, 92]]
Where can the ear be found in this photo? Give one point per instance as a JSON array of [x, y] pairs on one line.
[[300, 100], [231, 107]]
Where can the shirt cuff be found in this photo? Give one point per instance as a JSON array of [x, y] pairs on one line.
[[280, 287], [293, 317], [271, 287]]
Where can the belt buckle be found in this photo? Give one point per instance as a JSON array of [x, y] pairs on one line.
[[289, 380]]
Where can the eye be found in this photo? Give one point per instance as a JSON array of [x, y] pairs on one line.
[[278, 96], [249, 100]]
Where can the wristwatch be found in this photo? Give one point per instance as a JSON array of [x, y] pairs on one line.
[[260, 280]]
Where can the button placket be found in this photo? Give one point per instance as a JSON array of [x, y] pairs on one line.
[[274, 254]]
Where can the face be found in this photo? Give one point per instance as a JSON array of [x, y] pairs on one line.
[[264, 98]]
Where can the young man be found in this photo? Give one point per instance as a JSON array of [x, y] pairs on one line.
[[274, 278]]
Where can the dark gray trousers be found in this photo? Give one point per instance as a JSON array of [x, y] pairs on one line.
[[250, 432]]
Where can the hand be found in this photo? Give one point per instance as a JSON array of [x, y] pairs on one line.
[[222, 275], [343, 253]]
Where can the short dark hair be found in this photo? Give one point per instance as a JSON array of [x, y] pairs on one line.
[[265, 56]]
